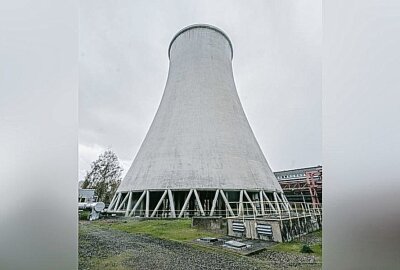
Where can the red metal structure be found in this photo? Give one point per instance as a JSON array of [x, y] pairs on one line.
[[302, 185], [312, 187]]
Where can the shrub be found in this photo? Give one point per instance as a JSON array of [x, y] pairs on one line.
[[84, 215], [306, 249]]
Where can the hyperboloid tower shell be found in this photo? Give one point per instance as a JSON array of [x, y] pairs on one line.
[[200, 156]]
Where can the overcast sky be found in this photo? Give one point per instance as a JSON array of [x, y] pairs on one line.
[[276, 62]]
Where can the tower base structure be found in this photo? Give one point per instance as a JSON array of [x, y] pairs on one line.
[[172, 203]]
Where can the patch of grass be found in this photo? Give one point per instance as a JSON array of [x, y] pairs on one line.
[[109, 263], [287, 247], [84, 215], [317, 233], [317, 249], [177, 230], [297, 247]]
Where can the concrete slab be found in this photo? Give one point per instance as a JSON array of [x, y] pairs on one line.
[[208, 239], [252, 246], [235, 244]]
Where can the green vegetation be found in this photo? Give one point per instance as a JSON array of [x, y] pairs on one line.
[[306, 249], [104, 176], [298, 246], [84, 215], [116, 262], [317, 233], [317, 249], [180, 230], [176, 230]]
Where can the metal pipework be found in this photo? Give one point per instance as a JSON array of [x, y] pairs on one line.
[[95, 207]]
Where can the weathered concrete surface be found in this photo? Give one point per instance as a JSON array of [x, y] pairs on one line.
[[214, 224], [284, 230], [200, 137]]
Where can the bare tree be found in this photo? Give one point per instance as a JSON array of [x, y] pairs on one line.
[[104, 176]]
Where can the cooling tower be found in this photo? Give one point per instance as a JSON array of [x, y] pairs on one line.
[[200, 156]]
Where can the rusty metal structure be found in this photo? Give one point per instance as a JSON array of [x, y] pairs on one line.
[[302, 185]]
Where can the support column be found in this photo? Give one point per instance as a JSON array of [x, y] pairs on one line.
[[159, 204], [240, 210], [282, 202], [269, 202], [171, 203], [251, 202], [146, 213], [123, 201], [199, 202], [261, 202], [128, 208], [118, 199], [137, 203], [226, 202], [112, 202], [286, 201], [214, 204], [185, 203], [277, 204]]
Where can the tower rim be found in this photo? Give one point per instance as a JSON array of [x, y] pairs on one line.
[[207, 26]]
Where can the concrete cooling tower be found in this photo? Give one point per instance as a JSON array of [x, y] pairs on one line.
[[200, 156]]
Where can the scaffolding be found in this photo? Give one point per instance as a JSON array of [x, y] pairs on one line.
[[304, 189]]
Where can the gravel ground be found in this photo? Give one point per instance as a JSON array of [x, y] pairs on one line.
[[104, 248], [311, 239], [286, 260]]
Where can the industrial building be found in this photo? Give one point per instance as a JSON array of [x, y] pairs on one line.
[[302, 185]]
